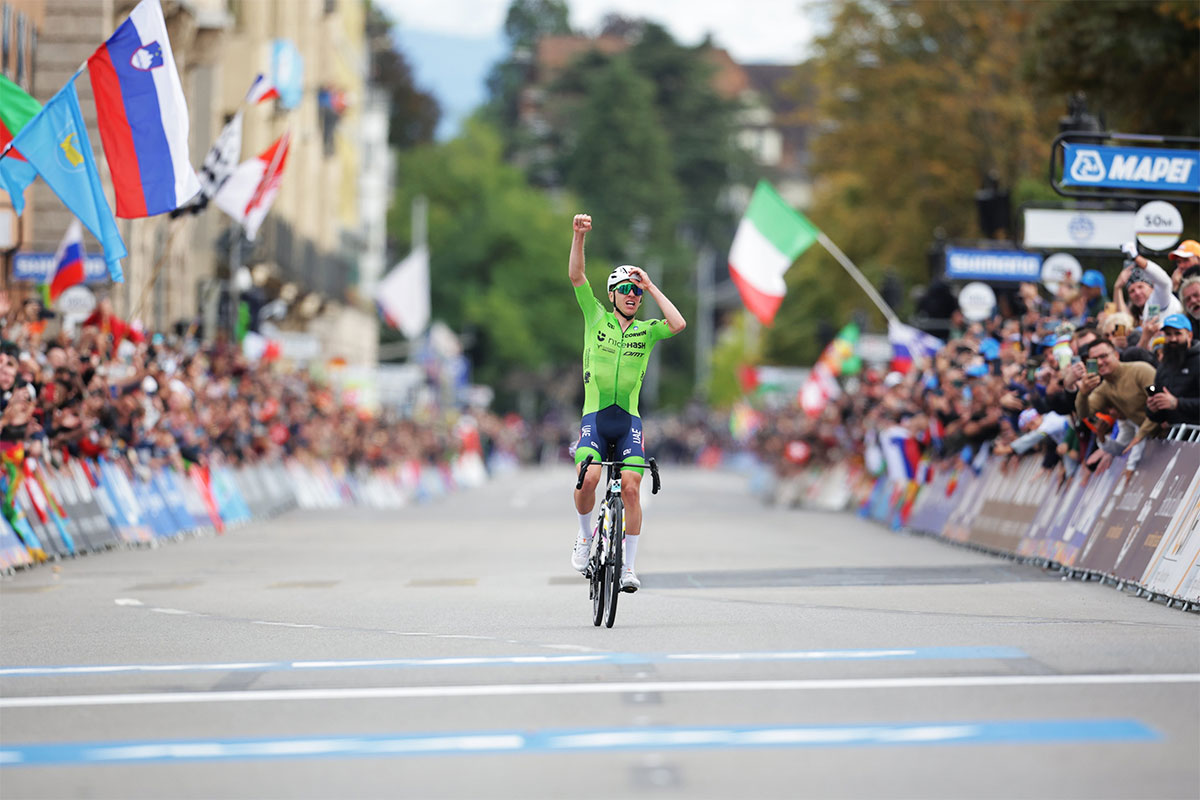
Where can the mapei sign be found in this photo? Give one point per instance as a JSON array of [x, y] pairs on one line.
[[1146, 168], [992, 265]]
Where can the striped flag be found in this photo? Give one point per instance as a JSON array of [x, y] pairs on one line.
[[769, 238], [142, 116], [261, 91], [68, 262]]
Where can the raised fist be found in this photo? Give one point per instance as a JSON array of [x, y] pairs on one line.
[[582, 223]]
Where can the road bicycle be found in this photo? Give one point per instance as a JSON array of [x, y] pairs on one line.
[[604, 562]]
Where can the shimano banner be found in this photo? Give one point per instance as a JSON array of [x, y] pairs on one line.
[[1146, 168], [992, 265]]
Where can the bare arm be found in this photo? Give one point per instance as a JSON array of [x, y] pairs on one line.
[[675, 321], [581, 225]]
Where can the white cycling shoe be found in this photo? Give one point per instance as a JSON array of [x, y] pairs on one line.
[[579, 557], [629, 580]]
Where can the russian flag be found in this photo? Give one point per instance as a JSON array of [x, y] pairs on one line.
[[909, 343], [68, 261], [142, 116]]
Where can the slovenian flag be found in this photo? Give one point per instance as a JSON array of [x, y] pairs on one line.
[[769, 238], [68, 262], [248, 193], [142, 116]]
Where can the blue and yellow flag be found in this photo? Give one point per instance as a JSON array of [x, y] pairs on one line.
[[56, 144]]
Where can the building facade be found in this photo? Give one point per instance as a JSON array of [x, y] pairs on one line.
[[184, 271]]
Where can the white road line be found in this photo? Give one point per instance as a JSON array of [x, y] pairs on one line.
[[127, 601], [509, 690]]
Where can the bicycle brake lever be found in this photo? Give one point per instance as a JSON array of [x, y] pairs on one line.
[[583, 471], [656, 484]]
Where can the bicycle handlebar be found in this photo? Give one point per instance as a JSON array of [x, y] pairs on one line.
[[655, 482]]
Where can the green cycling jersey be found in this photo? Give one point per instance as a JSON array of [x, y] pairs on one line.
[[614, 361]]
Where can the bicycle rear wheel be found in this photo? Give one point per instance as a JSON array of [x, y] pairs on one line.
[[612, 570]]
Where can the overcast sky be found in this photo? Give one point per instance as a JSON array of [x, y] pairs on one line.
[[754, 31], [452, 44]]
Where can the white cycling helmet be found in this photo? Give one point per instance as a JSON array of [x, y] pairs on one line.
[[620, 275]]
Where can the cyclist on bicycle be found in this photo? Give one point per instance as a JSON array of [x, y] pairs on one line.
[[616, 351]]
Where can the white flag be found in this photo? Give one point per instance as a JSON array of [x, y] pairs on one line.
[[248, 193], [403, 295]]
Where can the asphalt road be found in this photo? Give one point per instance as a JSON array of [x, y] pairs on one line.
[[447, 650]]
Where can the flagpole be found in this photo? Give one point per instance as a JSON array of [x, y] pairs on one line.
[[154, 273], [859, 278]]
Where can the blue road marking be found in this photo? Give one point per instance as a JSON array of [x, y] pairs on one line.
[[599, 739], [914, 653]]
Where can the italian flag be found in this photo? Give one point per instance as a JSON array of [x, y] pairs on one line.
[[16, 109], [769, 238]]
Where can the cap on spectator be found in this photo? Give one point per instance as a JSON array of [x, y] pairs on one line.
[[1049, 340], [1138, 275], [1027, 416], [893, 379], [976, 370], [1189, 248], [1093, 278], [1179, 322], [989, 348]]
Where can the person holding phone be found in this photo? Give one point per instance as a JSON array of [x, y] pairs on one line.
[[1148, 286], [1175, 397], [1120, 387]]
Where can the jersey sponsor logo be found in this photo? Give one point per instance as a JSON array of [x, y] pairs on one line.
[[628, 450], [635, 345], [585, 432], [600, 337], [634, 353], [587, 376], [631, 335], [636, 433], [611, 327]]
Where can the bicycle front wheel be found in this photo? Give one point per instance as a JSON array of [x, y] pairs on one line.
[[612, 570]]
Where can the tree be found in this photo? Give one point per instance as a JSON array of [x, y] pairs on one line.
[[618, 161], [498, 251], [1137, 61], [529, 20], [917, 103], [414, 113]]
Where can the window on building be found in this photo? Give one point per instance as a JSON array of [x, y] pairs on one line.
[[21, 73], [6, 39]]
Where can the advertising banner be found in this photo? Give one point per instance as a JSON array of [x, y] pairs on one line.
[[1079, 536], [38, 267], [12, 551], [937, 499], [1077, 229], [1175, 567], [993, 265], [1140, 509], [1147, 168], [1045, 535]]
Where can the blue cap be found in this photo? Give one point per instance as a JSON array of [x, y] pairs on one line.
[[1093, 278], [1049, 340], [989, 348], [977, 370], [1179, 322]]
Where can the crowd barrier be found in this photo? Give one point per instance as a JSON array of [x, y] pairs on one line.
[[1137, 529], [89, 506]]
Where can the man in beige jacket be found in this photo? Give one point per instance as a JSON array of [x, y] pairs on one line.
[[1119, 387]]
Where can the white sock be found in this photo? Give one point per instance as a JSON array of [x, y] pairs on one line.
[[585, 525], [631, 543]]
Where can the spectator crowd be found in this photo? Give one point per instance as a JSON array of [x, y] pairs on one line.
[[1075, 379], [108, 390]]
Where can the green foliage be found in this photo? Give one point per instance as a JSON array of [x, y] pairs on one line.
[[498, 258], [529, 20], [620, 163], [735, 347], [1137, 61], [414, 113], [917, 102]]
